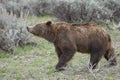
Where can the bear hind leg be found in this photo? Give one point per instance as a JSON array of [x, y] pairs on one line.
[[95, 57], [110, 56]]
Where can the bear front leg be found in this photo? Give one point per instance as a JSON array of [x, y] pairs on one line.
[[64, 58], [58, 51]]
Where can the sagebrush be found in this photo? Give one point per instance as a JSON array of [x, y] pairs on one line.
[[100, 11], [12, 31]]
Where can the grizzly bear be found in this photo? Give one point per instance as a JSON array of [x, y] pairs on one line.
[[69, 38]]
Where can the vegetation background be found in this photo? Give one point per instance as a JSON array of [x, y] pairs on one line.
[[26, 57]]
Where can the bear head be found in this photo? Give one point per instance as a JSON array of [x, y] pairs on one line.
[[40, 29], [44, 30]]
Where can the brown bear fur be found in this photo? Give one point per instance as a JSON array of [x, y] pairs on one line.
[[69, 38]]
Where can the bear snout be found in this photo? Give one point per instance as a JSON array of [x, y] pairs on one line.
[[28, 29]]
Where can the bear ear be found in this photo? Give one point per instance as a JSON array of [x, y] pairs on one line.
[[48, 23]]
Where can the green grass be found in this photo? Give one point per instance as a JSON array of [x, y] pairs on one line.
[[38, 62]]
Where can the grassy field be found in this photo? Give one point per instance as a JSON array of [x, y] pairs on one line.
[[38, 62]]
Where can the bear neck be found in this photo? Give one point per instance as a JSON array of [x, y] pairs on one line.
[[50, 36]]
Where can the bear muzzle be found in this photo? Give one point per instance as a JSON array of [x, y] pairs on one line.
[[29, 29]]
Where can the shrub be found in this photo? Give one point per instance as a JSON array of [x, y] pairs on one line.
[[41, 7], [31, 7], [114, 6], [100, 11], [17, 7], [67, 12], [117, 26], [13, 31]]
